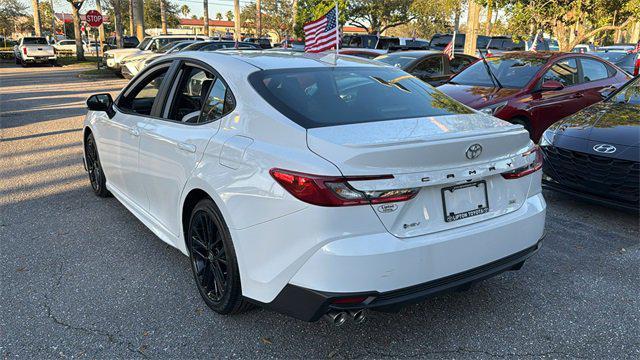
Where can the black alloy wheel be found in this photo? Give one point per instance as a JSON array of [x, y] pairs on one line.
[[213, 260], [94, 168]]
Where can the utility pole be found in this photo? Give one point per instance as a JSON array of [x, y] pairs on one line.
[[237, 36], [37, 25], [138, 14], [473, 24], [258, 19], [205, 6], [163, 16], [132, 24]]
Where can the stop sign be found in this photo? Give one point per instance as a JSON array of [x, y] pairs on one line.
[[94, 18]]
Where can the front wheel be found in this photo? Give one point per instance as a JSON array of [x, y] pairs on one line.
[[213, 260], [96, 175]]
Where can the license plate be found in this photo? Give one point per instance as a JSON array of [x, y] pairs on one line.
[[465, 200]]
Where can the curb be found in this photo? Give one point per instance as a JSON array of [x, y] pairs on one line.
[[89, 76]]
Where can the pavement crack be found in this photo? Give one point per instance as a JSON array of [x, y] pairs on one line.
[[112, 338]]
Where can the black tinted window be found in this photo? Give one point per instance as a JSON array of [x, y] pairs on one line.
[[219, 102], [317, 97], [458, 63], [34, 41], [140, 100], [429, 67]]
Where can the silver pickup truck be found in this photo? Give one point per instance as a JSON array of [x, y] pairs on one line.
[[34, 50]]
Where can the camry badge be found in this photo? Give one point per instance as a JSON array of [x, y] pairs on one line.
[[605, 148], [473, 151]]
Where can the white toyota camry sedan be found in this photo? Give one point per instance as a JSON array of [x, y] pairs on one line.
[[316, 186]]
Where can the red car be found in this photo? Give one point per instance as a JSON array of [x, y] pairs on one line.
[[535, 89]]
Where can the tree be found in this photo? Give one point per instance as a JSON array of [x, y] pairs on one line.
[[309, 10], [184, 10], [229, 15], [433, 16], [205, 6], [163, 17], [37, 25], [76, 5], [377, 16], [46, 17], [10, 11], [218, 16], [152, 18], [116, 12]]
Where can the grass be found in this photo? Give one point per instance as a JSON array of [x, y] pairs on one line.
[[71, 60], [99, 73]]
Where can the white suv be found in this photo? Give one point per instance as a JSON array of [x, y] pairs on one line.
[[316, 188]]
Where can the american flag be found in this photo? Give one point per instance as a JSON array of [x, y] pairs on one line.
[[637, 48], [322, 34], [450, 49]]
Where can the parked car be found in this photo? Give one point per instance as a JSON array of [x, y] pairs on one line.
[[34, 50], [415, 43], [148, 45], [500, 44], [534, 89], [627, 61], [128, 42], [132, 65], [312, 188], [370, 42], [429, 66], [617, 47], [440, 41], [584, 48], [264, 43], [595, 154], [363, 53], [67, 46], [291, 44], [213, 45]]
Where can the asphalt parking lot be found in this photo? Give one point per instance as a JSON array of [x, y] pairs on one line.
[[81, 277]]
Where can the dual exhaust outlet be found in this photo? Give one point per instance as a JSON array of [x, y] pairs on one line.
[[338, 318]]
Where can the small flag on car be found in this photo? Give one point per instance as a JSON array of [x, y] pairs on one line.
[[637, 48], [534, 44], [450, 49], [322, 34]]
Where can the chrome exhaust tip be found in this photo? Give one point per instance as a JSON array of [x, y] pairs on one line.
[[337, 318], [358, 316]]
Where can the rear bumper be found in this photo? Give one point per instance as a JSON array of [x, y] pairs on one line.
[[39, 59], [391, 272], [310, 305]]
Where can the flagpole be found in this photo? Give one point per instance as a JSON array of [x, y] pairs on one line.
[[337, 31], [453, 42]]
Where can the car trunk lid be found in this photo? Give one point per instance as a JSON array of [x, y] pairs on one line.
[[454, 160]]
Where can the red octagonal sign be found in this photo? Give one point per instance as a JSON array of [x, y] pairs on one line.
[[94, 18]]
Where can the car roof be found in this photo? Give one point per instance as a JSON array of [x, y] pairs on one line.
[[271, 60]]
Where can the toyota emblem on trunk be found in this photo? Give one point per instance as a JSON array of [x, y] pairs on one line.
[[474, 151], [605, 148]]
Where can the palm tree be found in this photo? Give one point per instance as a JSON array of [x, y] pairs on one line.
[[230, 15], [218, 16], [163, 17], [184, 10], [37, 26]]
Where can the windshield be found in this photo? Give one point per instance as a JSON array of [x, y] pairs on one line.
[[629, 94], [144, 43], [35, 41], [512, 72], [397, 60], [318, 97]]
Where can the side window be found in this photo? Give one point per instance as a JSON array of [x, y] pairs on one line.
[[219, 102], [192, 90], [458, 63], [564, 71], [431, 66], [593, 70], [140, 99]]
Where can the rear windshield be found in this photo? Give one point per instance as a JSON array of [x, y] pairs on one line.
[[613, 57], [34, 41], [319, 97], [398, 59]]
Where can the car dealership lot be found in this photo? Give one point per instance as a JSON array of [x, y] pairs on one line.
[[81, 277]]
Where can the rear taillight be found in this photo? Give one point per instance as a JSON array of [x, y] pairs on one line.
[[24, 50], [335, 190], [528, 169], [636, 70]]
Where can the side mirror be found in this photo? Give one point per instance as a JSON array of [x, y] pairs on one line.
[[101, 102], [551, 85]]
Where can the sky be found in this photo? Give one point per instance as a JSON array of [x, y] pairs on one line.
[[215, 6]]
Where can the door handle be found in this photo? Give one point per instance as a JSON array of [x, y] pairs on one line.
[[134, 131], [187, 147]]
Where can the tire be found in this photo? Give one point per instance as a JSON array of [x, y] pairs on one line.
[[213, 260], [23, 63], [94, 168], [17, 61]]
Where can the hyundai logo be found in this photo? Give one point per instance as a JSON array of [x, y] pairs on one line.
[[605, 148], [473, 151]]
